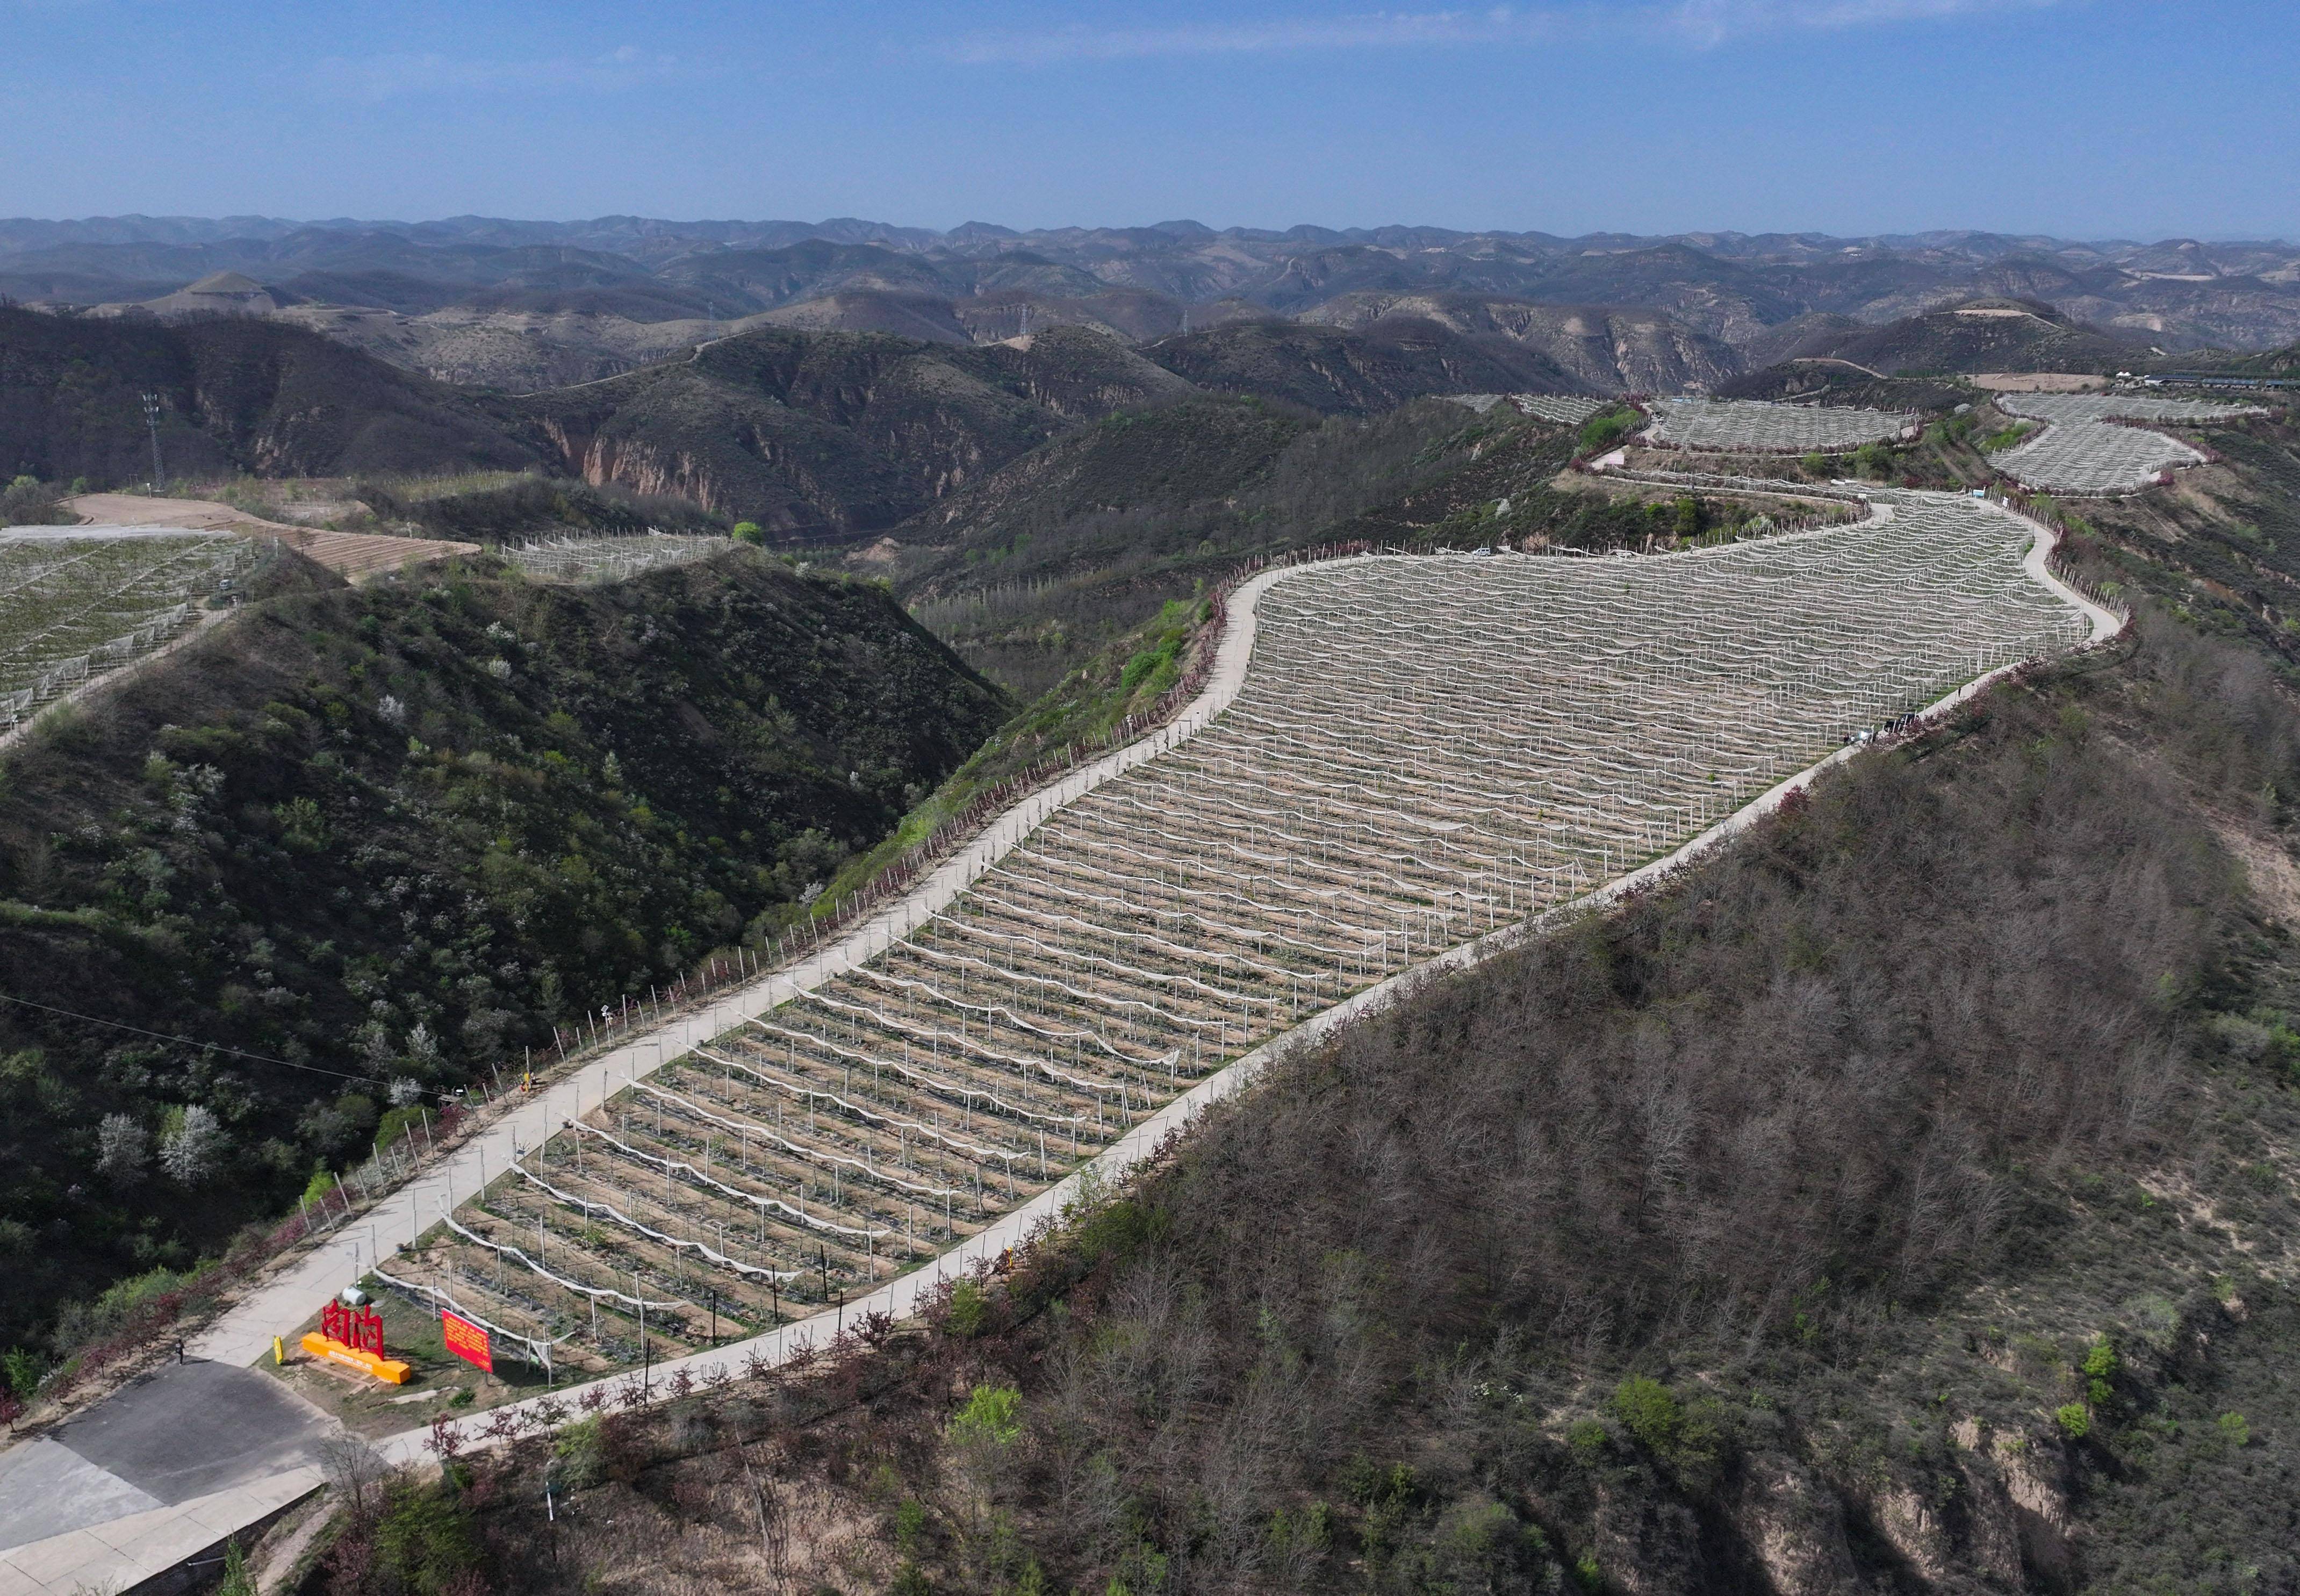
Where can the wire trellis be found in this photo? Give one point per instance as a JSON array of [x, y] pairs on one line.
[[610, 558], [71, 611], [1423, 750]]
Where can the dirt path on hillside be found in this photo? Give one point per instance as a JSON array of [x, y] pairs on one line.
[[353, 555]]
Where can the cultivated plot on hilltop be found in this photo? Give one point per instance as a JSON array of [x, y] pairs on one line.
[[2130, 407], [610, 558], [73, 607], [1565, 409], [1423, 749], [1782, 428], [2083, 450]]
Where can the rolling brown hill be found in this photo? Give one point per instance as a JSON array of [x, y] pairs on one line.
[[238, 394], [1609, 350], [1350, 372], [1981, 335], [827, 436]]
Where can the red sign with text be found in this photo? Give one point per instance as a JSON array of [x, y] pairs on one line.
[[466, 1341]]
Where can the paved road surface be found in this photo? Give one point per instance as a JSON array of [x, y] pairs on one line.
[[183, 1431]]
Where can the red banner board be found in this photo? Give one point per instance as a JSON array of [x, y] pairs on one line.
[[466, 1341]]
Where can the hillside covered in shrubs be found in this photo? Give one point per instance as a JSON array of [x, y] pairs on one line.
[[399, 832]]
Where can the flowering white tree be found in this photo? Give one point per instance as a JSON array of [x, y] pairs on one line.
[[192, 1146], [123, 1149]]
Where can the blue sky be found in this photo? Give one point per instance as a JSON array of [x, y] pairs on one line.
[[2083, 118]]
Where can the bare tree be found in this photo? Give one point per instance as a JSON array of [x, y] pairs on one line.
[[354, 1473]]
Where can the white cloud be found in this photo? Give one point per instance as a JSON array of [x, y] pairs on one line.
[[400, 76], [1335, 33], [1372, 30], [1700, 22], [1716, 21]]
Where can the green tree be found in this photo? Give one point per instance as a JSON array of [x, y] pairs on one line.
[[970, 1311], [992, 1413], [426, 1538], [237, 1579], [1606, 426], [580, 1453], [21, 1371], [1652, 1413], [2099, 1368]]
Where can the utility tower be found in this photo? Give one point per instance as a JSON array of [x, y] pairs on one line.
[[152, 425]]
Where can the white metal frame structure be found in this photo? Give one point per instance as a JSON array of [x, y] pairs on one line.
[[73, 609], [2082, 450], [1423, 750], [611, 558], [1754, 424]]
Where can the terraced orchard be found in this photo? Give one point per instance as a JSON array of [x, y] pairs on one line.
[[611, 558], [74, 607], [1422, 750], [1569, 409], [1736, 424], [2084, 450]]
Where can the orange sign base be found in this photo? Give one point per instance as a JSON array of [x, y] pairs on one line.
[[390, 1370]]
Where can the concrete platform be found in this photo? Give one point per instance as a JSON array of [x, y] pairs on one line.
[[182, 1434]]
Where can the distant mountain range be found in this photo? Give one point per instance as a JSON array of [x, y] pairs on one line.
[[825, 434], [521, 305]]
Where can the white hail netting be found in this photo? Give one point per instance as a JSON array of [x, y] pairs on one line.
[[1566, 409], [70, 609], [1752, 424], [2133, 407], [609, 559], [1559, 407], [1423, 749], [2082, 450]]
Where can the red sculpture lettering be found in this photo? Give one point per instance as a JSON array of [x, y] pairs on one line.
[[362, 1331]]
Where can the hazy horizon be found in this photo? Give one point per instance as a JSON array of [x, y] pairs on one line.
[[897, 225], [2072, 118]]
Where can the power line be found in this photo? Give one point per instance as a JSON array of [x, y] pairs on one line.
[[203, 1046]]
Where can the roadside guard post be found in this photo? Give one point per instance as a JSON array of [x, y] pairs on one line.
[[466, 1341], [354, 1338]]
